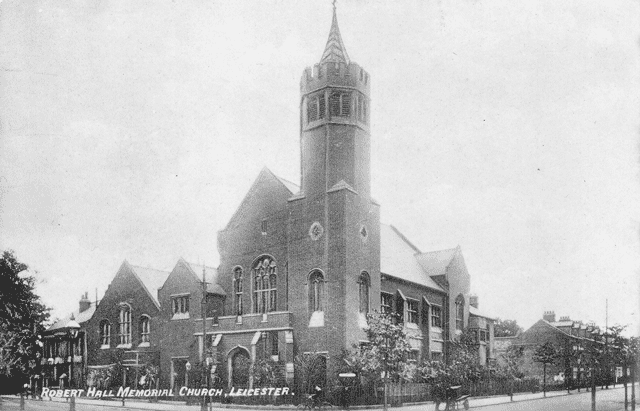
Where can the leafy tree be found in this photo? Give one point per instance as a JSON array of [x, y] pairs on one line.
[[387, 349], [22, 318], [512, 358], [546, 354], [506, 328]]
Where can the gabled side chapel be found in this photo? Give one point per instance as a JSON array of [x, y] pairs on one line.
[[300, 267]]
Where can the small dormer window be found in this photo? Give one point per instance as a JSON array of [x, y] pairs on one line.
[[263, 227]]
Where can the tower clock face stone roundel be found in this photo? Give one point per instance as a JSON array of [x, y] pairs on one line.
[[316, 231]]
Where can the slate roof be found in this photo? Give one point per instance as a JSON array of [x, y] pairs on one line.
[[561, 323], [80, 317], [210, 275], [152, 280], [294, 188], [398, 258], [436, 262], [474, 311]]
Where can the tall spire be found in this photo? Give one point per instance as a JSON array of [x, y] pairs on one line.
[[335, 50]]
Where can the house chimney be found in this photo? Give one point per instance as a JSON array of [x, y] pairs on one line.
[[565, 318], [549, 316], [84, 302], [473, 300]]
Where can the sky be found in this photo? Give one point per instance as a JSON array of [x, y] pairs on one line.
[[132, 130]]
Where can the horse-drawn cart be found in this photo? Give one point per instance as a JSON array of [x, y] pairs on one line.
[[453, 399]]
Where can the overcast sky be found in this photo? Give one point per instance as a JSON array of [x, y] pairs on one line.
[[132, 130]]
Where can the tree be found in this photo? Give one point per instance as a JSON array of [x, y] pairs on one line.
[[388, 348], [22, 318], [506, 328], [546, 354]]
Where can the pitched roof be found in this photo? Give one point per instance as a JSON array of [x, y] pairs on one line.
[[398, 258], [565, 323], [436, 262], [293, 187], [474, 311], [210, 275], [80, 317], [335, 50], [151, 279]]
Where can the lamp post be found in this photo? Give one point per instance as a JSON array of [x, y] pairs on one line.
[[72, 329]]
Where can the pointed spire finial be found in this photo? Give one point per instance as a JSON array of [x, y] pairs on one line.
[[335, 50]]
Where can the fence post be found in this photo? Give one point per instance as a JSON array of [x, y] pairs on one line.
[[72, 404]]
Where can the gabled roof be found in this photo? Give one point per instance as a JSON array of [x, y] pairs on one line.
[[398, 258], [436, 262], [210, 275], [151, 279], [80, 318], [474, 311], [562, 323], [265, 175], [335, 50], [293, 187]]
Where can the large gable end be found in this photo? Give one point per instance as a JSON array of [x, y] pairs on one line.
[[268, 192], [151, 279]]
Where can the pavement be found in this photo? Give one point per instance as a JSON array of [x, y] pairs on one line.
[[614, 396]]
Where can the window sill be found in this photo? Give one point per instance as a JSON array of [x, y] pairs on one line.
[[123, 346], [411, 325], [144, 344], [180, 316], [105, 346], [317, 319]]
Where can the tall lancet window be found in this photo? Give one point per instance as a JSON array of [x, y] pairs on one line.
[[265, 285], [363, 288], [460, 312], [316, 291], [237, 290]]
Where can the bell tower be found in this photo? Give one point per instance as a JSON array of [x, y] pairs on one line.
[[333, 224], [334, 121]]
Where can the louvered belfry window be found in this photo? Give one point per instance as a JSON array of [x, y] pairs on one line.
[[340, 104], [321, 106], [312, 109]]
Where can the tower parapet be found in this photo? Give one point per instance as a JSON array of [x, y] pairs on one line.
[[335, 74]]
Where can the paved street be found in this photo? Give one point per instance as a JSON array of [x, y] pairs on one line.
[[607, 400]]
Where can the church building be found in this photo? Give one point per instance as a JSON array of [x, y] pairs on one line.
[[300, 265]]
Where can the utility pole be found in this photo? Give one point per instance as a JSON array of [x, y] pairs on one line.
[[203, 362]]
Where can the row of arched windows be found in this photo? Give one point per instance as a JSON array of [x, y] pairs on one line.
[[340, 105], [124, 328], [264, 277]]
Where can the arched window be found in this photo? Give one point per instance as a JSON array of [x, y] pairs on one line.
[[316, 291], [237, 290], [265, 282], [144, 328], [105, 334], [460, 312], [364, 284], [124, 323]]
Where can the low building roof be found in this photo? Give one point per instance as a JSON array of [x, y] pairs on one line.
[[474, 311], [436, 262], [79, 317], [398, 258], [152, 279], [210, 275]]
